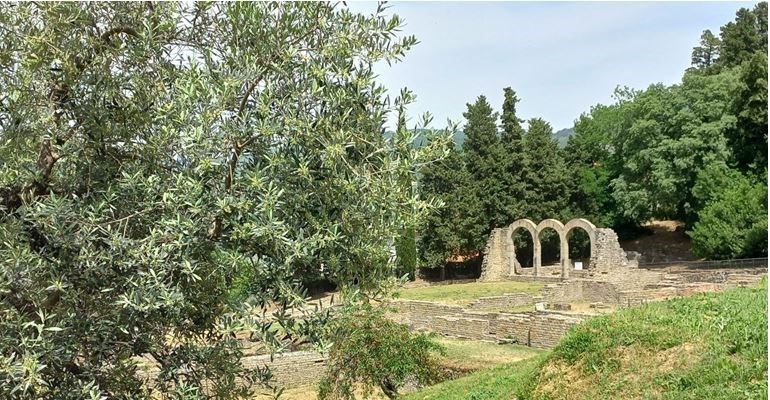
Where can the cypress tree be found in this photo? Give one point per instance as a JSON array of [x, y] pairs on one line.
[[447, 229], [482, 152], [512, 158], [545, 172], [406, 243]]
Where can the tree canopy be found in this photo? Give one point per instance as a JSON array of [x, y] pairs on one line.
[[171, 173]]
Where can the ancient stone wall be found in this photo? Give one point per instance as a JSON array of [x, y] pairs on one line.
[[494, 265], [290, 369], [294, 369], [608, 254], [500, 254], [582, 291], [503, 301], [536, 329]]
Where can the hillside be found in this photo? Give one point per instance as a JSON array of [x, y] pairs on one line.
[[666, 242], [707, 346], [563, 135]]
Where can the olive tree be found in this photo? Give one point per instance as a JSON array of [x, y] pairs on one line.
[[155, 156]]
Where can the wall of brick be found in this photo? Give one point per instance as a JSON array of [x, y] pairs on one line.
[[290, 370], [581, 291], [294, 369], [536, 329], [503, 301], [495, 264], [608, 254]]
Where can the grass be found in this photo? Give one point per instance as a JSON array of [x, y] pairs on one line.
[[466, 292], [708, 346], [475, 354], [500, 382], [705, 346]]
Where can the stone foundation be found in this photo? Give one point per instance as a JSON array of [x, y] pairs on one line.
[[290, 369], [535, 329]]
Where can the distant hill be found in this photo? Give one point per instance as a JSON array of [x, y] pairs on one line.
[[458, 138], [563, 135]]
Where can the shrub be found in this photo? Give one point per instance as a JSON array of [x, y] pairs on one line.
[[733, 223], [370, 351]]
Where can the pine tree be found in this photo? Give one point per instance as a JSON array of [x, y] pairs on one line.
[[545, 172], [482, 152], [705, 55], [512, 157], [743, 37]]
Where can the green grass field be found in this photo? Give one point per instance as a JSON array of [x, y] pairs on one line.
[[500, 382], [708, 346], [466, 292]]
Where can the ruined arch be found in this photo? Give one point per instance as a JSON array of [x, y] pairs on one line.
[[530, 227], [500, 253], [585, 225], [563, 254]]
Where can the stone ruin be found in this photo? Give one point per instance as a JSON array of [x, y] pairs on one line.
[[500, 253]]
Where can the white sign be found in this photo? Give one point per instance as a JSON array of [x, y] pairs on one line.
[[578, 265]]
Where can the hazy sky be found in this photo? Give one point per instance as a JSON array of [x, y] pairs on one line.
[[560, 57]]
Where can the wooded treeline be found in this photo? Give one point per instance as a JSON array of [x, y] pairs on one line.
[[695, 151]]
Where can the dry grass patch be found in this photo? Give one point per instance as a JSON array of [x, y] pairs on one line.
[[470, 355], [311, 393]]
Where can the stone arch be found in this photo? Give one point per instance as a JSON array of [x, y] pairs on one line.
[[585, 225], [563, 253], [530, 227]]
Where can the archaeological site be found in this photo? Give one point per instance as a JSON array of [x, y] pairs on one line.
[[611, 280], [564, 295]]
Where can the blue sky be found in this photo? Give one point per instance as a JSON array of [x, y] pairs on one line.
[[560, 57]]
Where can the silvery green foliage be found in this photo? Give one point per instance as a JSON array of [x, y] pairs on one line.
[[154, 158]]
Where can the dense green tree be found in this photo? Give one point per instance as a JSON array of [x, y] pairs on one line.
[[588, 155], [152, 155], [711, 181], [481, 151], [741, 38], [545, 172], [512, 156], [733, 223], [451, 228], [748, 139], [673, 133], [373, 351]]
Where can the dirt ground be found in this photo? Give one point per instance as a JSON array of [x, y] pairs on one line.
[[669, 242]]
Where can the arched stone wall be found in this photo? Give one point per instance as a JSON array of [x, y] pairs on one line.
[[500, 254], [585, 225], [529, 226]]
